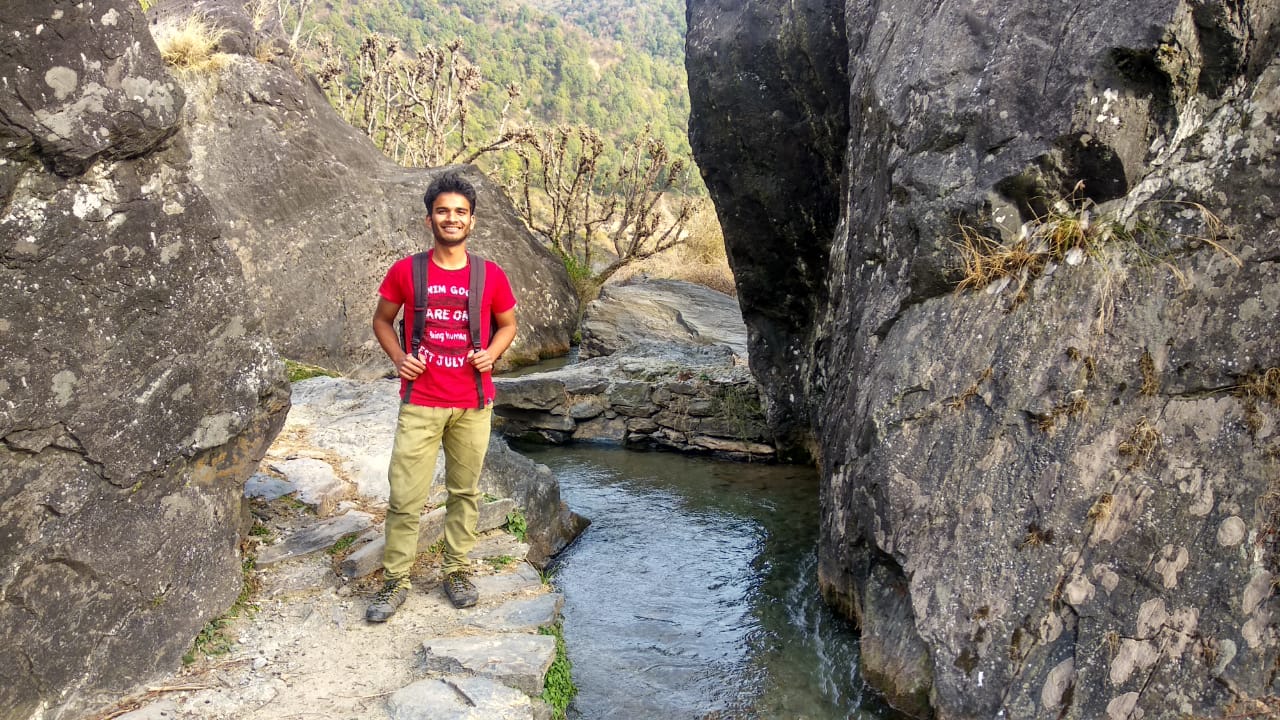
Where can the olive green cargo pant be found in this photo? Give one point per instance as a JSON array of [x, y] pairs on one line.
[[420, 432]]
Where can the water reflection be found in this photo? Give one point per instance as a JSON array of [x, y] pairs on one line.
[[693, 593]]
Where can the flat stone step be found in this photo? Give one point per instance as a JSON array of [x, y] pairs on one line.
[[524, 615], [500, 545], [315, 537], [458, 697], [524, 579], [518, 661]]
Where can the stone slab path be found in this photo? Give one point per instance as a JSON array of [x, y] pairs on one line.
[[307, 651]]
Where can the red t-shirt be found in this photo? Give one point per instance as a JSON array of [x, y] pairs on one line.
[[449, 380]]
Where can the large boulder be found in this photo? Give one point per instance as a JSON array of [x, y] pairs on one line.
[[1055, 497], [138, 391], [772, 70], [661, 311], [316, 213]]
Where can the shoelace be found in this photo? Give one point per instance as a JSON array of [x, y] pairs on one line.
[[387, 591], [459, 581]]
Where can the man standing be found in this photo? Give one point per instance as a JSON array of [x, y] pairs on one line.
[[441, 395]]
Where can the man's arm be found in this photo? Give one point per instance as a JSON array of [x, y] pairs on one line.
[[503, 335], [384, 317]]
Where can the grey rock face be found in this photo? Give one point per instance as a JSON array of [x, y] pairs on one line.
[[784, 79], [137, 391], [1067, 483], [317, 214]]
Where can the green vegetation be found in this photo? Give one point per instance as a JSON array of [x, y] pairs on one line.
[[516, 525], [213, 638], [558, 690], [631, 77], [343, 543], [302, 371], [500, 561]]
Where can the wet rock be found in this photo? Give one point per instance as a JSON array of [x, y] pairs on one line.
[[683, 397]]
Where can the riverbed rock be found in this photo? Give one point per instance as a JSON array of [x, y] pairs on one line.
[[139, 391], [518, 661], [1065, 477], [690, 398], [661, 311], [317, 214]]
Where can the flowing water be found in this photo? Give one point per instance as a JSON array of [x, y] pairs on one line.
[[693, 594]]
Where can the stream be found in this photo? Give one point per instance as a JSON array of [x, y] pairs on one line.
[[694, 594]]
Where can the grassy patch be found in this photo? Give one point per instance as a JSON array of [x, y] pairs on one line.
[[190, 45], [1072, 230], [343, 543], [302, 371], [517, 525], [558, 690], [1262, 385], [213, 638], [500, 561], [1143, 442]]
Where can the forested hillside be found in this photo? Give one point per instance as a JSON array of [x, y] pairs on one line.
[[614, 66]]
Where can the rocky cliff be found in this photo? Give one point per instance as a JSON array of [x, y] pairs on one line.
[[1031, 333], [137, 391], [316, 213]]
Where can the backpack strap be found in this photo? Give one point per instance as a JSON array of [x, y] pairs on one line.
[[414, 341], [475, 298]]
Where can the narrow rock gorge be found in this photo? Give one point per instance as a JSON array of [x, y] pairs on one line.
[[1048, 494]]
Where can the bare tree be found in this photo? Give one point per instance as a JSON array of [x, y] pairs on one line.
[[563, 195], [414, 106]]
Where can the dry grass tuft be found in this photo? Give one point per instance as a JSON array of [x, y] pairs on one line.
[[191, 45], [1078, 405], [984, 261], [1264, 385], [1142, 443], [1101, 508], [971, 392], [1036, 536], [1150, 378]]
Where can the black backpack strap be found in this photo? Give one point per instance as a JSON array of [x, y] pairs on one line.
[[414, 341], [475, 298]]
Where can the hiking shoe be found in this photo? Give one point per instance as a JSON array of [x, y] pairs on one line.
[[387, 600], [462, 593]]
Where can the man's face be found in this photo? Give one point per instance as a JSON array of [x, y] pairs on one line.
[[451, 219]]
